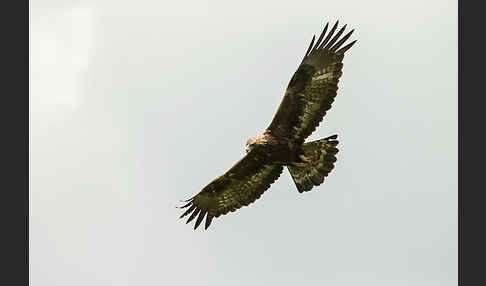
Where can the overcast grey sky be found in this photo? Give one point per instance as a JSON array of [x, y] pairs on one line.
[[136, 105]]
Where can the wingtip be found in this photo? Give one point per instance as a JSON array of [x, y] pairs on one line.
[[332, 137], [184, 206], [193, 215], [330, 44], [199, 219], [209, 218], [188, 211], [345, 48], [310, 47], [329, 35], [185, 201]]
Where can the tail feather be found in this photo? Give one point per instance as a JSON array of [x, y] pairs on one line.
[[319, 158]]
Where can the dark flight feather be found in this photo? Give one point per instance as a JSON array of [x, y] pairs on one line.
[[310, 46], [347, 47], [336, 37], [320, 37], [343, 39], [199, 219], [331, 32], [193, 215], [188, 211]]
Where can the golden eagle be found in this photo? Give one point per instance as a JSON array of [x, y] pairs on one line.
[[309, 95]]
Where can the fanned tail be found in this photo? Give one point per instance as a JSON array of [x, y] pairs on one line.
[[319, 158]]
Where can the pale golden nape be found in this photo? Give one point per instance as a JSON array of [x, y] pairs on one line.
[[250, 143]]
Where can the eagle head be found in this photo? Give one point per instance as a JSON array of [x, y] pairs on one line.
[[250, 144], [255, 141]]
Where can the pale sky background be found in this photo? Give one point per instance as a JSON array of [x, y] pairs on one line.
[[135, 105]]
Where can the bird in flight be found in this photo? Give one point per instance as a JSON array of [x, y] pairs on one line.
[[308, 97]]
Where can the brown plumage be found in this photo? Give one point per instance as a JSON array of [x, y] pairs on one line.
[[308, 97]]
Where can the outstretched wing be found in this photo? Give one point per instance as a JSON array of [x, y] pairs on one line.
[[312, 88], [239, 186]]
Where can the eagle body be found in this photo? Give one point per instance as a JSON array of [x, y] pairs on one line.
[[309, 95]]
